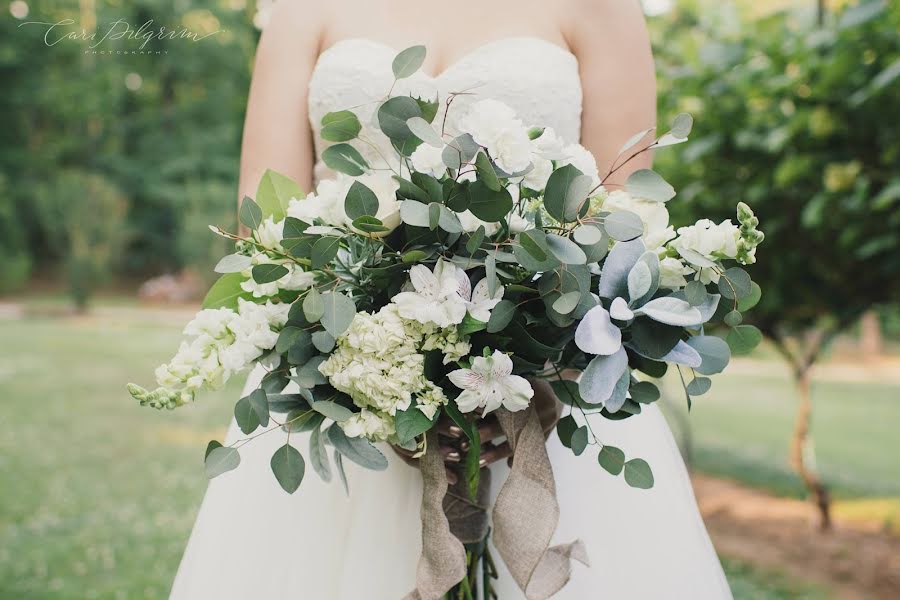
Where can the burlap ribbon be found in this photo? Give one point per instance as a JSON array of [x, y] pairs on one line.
[[525, 516]]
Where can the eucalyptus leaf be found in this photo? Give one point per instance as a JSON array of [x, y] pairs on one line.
[[423, 130], [735, 284], [695, 293], [743, 338], [221, 460], [233, 263], [414, 213], [274, 193], [324, 251], [313, 306], [567, 302], [360, 201], [612, 459], [565, 249], [579, 440], [250, 214], [565, 428], [623, 225], [318, 455], [713, 351], [638, 474], [332, 410], [288, 466], [699, 386], [359, 450], [489, 205], [587, 235], [245, 416], [408, 61], [259, 403], [559, 193], [267, 273], [346, 159], [683, 354], [340, 126], [412, 422], [338, 312], [501, 315], [644, 392], [647, 184], [323, 341]]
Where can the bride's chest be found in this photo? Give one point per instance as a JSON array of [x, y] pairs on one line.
[[537, 78]]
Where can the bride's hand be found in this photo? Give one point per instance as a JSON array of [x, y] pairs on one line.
[[454, 443]]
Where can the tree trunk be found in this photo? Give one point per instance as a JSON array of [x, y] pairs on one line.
[[870, 341], [799, 444]]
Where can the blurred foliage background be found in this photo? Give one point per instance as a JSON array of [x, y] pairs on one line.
[[113, 162]]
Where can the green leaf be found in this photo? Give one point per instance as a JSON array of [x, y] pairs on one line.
[[360, 201], [323, 341], [324, 251], [623, 225], [313, 306], [612, 459], [565, 249], [346, 159], [699, 386], [412, 422], [644, 392], [566, 303], [470, 325], [309, 376], [639, 280], [338, 313], [414, 213], [259, 402], [212, 445], [393, 115], [294, 228], [647, 184], [743, 338], [474, 241], [733, 318], [423, 130], [245, 416], [359, 450], [713, 351], [486, 172], [250, 214], [470, 429], [695, 293], [461, 150], [221, 460], [268, 273], [752, 299], [534, 242], [579, 440], [638, 474], [332, 410], [735, 283], [288, 466], [429, 108], [565, 429], [408, 61], [501, 315], [562, 187], [681, 126], [233, 263], [225, 292], [288, 337], [339, 464], [340, 126], [489, 205], [318, 455], [587, 235], [274, 194]]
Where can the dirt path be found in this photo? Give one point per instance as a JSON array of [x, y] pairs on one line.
[[855, 561]]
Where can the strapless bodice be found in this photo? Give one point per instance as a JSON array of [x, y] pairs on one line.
[[535, 77]]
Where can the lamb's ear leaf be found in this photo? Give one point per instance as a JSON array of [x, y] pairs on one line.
[[318, 455]]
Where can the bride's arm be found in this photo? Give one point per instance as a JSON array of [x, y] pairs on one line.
[[276, 128], [618, 79]]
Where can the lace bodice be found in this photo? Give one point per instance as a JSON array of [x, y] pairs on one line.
[[537, 78]]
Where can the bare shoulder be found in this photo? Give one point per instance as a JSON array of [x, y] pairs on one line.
[[585, 20]]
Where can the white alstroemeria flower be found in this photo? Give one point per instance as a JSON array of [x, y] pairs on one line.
[[490, 384], [479, 301], [436, 297]]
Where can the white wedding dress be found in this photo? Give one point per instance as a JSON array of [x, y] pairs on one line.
[[253, 541]]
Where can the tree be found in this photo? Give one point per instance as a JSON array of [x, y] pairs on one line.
[[793, 118]]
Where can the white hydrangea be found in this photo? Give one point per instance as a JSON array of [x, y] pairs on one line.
[[427, 159], [221, 342], [378, 363], [369, 424], [494, 126], [327, 202]]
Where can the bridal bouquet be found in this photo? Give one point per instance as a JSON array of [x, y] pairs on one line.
[[485, 252]]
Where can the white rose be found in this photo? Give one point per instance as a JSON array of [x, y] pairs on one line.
[[427, 159], [715, 242], [672, 273], [578, 156], [655, 216], [494, 126], [269, 234]]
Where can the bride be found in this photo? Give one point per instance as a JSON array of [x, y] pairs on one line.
[[582, 67]]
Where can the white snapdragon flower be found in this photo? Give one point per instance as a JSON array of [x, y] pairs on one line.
[[490, 384], [494, 126], [427, 159], [435, 297]]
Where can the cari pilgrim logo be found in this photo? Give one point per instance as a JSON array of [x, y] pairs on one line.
[[109, 40]]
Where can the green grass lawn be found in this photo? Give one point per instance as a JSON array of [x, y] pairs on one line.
[[99, 494]]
